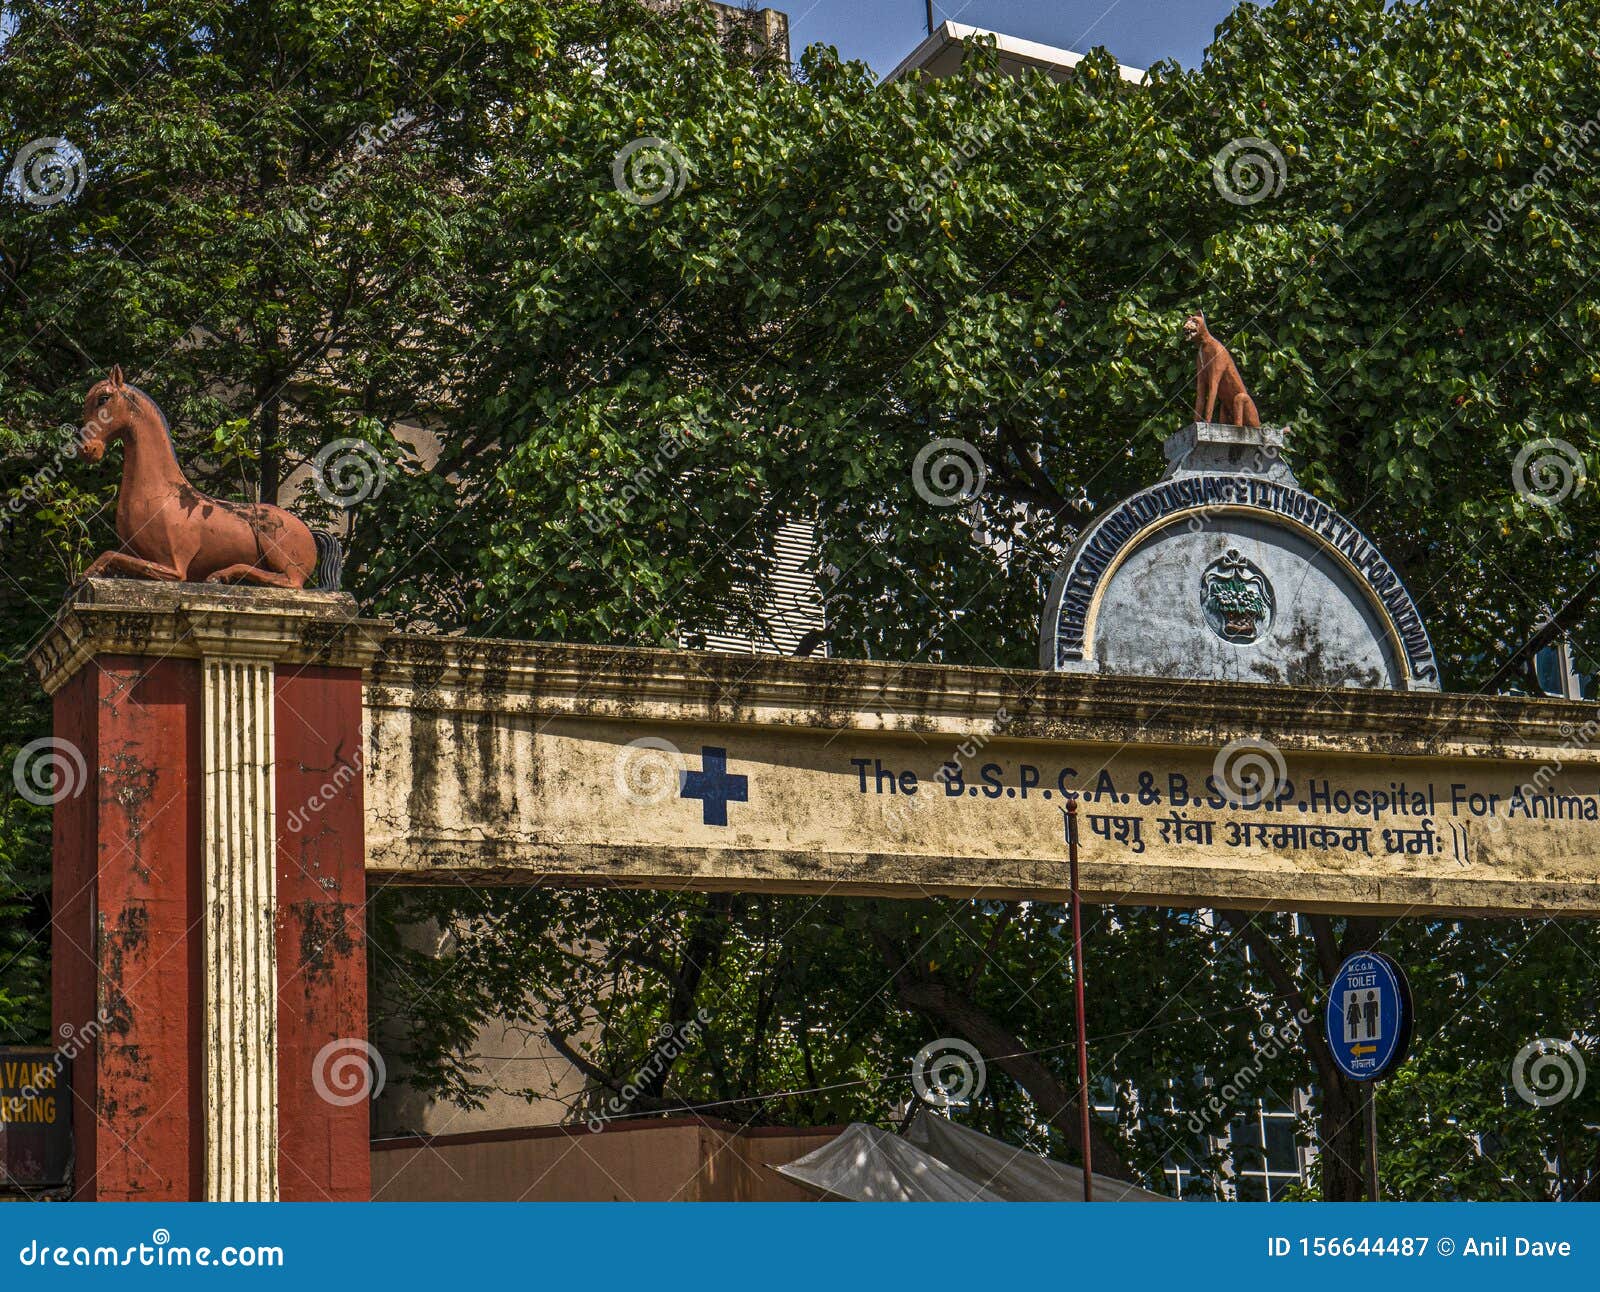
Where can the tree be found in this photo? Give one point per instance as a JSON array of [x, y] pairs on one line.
[[654, 298], [256, 210], [823, 278]]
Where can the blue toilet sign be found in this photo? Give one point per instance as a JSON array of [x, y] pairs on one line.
[[1369, 1016]]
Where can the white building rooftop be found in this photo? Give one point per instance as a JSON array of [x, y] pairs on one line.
[[941, 53]]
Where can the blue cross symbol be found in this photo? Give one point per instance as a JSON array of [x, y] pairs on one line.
[[713, 786]]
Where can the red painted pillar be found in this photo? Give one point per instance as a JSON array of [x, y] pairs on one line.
[[323, 1056], [125, 933], [158, 987]]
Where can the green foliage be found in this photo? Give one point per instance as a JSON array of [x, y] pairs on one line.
[[1452, 1123], [264, 231], [24, 942], [851, 271], [24, 824], [802, 1021], [631, 396]]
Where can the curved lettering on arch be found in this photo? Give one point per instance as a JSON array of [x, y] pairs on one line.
[[1075, 588]]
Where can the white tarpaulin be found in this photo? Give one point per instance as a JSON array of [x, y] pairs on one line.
[[868, 1164], [938, 1161], [1014, 1173]]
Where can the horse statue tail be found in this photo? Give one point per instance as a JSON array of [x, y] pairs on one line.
[[330, 561]]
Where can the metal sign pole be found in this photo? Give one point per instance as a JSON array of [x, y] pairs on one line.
[[1368, 1025], [1372, 1140], [1077, 974]]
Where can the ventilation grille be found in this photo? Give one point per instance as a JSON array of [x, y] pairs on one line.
[[791, 606]]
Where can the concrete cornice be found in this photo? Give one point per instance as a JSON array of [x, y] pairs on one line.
[[562, 680], [202, 620], [463, 674]]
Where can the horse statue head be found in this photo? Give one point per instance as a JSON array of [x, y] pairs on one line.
[[112, 409]]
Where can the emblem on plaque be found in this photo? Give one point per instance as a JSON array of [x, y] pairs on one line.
[[1236, 598]]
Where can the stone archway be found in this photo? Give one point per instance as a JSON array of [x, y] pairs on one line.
[[254, 760]]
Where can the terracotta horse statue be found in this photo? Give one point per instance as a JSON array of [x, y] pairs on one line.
[[173, 532]]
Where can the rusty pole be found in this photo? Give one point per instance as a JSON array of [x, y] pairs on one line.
[[1077, 974]]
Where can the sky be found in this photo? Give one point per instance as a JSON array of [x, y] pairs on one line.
[[1137, 32]]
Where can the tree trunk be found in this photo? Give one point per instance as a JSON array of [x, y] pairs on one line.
[[1001, 1048], [1339, 1120], [267, 446], [1341, 1143], [701, 949], [1340, 1127]]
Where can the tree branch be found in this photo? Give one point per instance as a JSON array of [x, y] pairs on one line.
[[1266, 954], [955, 1012]]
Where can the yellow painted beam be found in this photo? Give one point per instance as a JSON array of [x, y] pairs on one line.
[[523, 762]]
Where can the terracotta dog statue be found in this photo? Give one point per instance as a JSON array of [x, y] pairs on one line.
[[173, 532], [1217, 379]]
